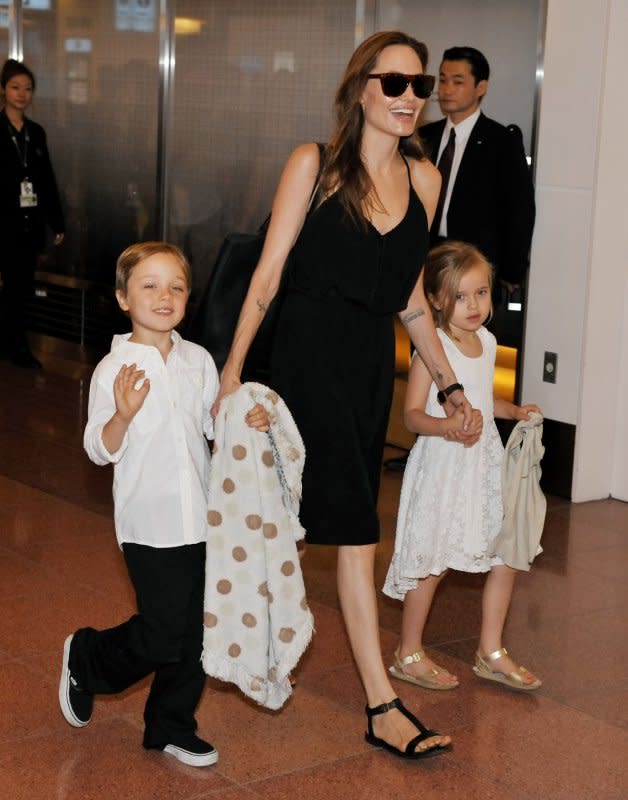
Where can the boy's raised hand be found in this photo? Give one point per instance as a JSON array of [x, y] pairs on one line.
[[128, 398]]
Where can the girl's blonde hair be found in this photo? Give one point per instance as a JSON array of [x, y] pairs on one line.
[[445, 267], [137, 253]]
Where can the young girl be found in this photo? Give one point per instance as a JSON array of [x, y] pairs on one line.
[[451, 499]]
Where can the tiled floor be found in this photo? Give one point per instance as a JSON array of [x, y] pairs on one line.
[[60, 568]]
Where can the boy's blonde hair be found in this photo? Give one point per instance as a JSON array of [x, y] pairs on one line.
[[139, 252], [445, 267]]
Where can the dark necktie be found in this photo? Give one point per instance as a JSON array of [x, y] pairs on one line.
[[444, 166]]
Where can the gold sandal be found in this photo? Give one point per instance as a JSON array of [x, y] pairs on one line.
[[426, 681], [514, 679]]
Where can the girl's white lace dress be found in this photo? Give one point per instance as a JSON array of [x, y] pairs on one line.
[[450, 509]]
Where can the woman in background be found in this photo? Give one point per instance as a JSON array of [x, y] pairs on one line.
[[28, 200]]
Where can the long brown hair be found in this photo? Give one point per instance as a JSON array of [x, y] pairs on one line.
[[343, 169]]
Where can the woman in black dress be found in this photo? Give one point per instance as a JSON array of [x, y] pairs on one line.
[[28, 200], [355, 261]]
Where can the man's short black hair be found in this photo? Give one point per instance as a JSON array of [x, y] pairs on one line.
[[477, 61]]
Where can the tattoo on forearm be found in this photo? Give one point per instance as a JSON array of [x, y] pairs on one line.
[[412, 315], [263, 308]]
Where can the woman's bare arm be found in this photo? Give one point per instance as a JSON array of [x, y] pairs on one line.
[[288, 213]]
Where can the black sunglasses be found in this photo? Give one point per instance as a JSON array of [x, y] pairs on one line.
[[394, 84]]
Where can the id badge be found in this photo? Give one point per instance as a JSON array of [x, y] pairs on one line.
[[28, 198]]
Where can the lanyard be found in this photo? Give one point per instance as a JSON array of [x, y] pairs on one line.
[[22, 156]]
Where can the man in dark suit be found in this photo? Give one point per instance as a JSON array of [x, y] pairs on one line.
[[489, 198]]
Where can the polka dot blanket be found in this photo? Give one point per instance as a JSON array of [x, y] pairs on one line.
[[257, 620]]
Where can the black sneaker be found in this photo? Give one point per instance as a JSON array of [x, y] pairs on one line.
[[196, 752], [76, 705]]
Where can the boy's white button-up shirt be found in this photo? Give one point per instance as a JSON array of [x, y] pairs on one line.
[[161, 470]]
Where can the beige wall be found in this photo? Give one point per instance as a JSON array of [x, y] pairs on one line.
[[578, 283]]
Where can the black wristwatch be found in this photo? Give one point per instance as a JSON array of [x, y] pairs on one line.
[[443, 394]]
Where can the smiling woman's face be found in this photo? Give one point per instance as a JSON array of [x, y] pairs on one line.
[[396, 116]]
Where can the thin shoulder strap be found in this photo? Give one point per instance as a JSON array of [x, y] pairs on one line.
[[405, 161], [321, 153]]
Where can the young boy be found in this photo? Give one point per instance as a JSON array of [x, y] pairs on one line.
[[149, 406]]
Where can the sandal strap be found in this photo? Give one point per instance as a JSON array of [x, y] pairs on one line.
[[496, 654], [399, 706], [426, 733], [395, 703], [413, 658]]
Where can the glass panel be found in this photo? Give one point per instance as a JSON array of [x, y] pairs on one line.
[[504, 30], [97, 70], [252, 81], [4, 30]]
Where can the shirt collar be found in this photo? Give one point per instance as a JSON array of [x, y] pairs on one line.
[[121, 340], [463, 129]]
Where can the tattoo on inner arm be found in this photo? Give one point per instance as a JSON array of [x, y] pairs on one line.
[[412, 315], [263, 308]]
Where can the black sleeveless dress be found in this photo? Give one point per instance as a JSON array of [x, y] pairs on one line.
[[333, 359]]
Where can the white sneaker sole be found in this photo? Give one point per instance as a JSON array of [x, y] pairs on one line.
[[192, 759], [64, 689]]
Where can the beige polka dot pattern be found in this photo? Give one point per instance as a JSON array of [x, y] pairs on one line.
[[270, 530], [214, 518], [257, 622], [239, 554], [253, 521]]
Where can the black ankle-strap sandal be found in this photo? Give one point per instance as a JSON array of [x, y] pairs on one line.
[[410, 751]]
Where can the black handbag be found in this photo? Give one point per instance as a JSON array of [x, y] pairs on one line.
[[217, 313], [218, 310]]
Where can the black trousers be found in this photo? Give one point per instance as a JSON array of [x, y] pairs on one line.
[[18, 262], [164, 637]]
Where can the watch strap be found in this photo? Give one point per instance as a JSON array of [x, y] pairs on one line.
[[443, 394]]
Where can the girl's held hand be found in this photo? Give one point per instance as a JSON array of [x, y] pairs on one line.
[[455, 401], [523, 412], [457, 433]]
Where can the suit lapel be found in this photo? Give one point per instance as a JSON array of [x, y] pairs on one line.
[[473, 150], [432, 140]]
